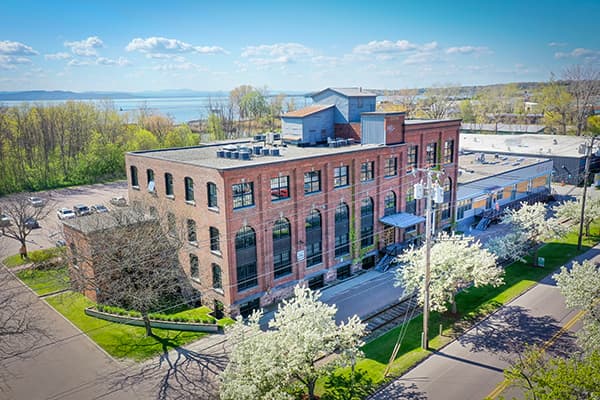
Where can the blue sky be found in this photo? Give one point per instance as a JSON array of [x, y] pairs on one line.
[[131, 45]]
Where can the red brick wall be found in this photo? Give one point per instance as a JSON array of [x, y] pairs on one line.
[[394, 129], [348, 131]]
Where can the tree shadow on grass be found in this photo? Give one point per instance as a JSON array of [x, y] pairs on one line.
[[179, 372], [511, 329]]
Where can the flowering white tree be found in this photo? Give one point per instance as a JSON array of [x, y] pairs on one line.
[[456, 262], [532, 227], [512, 246], [581, 287], [572, 210], [264, 365]]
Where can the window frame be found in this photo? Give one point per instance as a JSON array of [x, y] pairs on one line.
[[192, 231], [212, 195], [215, 239], [340, 176], [390, 167], [386, 203], [169, 184], [245, 195], [281, 189], [310, 183], [367, 171], [194, 267], [189, 189], [431, 154], [449, 151], [135, 181], [217, 276], [412, 157]]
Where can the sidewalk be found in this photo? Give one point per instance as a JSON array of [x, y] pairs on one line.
[[472, 365]]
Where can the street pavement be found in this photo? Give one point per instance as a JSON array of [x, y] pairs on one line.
[[471, 367]]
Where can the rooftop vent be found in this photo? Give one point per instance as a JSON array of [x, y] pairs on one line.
[[220, 153], [275, 152]]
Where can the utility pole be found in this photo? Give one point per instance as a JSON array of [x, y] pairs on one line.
[[585, 185], [434, 193]]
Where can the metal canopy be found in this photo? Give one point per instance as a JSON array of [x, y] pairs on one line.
[[401, 220]]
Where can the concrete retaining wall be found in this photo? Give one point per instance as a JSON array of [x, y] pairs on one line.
[[179, 326]]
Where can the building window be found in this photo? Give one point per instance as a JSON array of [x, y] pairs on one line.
[[366, 222], [390, 167], [134, 176], [342, 230], [211, 190], [463, 206], [412, 158], [194, 267], [447, 190], [367, 171], [280, 188], [191, 231], [168, 184], [340, 176], [171, 223], [217, 280], [445, 210], [150, 180], [513, 192], [245, 255], [448, 151], [314, 250], [243, 195], [189, 189], [431, 154], [282, 248], [389, 206], [215, 241], [312, 182], [411, 202]]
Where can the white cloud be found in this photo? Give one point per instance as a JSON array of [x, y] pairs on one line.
[[160, 47], [278, 53], [186, 66], [468, 50], [11, 62], [557, 44], [87, 47], [57, 56], [16, 49], [577, 53], [391, 47], [121, 61], [77, 63]]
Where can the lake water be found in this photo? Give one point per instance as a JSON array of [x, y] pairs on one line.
[[180, 109]]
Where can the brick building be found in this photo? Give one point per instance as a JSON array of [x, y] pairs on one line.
[[307, 205]]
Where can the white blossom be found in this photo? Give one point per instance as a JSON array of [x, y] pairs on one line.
[[581, 287], [456, 262]]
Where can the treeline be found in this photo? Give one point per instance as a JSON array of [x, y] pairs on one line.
[[74, 143]]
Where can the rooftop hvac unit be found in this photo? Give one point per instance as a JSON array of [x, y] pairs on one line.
[[244, 155], [275, 152], [276, 136], [257, 150], [220, 153], [227, 153], [235, 154], [259, 138], [265, 152]]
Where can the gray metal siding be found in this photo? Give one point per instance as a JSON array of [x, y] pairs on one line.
[[372, 130], [291, 126], [341, 104], [359, 105], [313, 128]]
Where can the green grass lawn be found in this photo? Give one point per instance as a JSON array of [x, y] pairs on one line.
[[33, 256], [473, 304], [119, 340], [45, 281]]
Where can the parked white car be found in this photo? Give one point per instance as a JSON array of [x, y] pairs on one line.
[[36, 201], [65, 213]]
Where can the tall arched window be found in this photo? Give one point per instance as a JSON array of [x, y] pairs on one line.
[[314, 248], [366, 222], [189, 189], [282, 248], [217, 280], [445, 214], [245, 255], [168, 184], [389, 203], [342, 230]]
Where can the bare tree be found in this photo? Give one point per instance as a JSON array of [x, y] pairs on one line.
[[130, 261], [24, 215], [584, 87], [437, 103]]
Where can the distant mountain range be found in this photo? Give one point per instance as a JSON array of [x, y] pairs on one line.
[[42, 95]]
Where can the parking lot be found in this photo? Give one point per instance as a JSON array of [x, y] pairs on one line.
[[50, 227]]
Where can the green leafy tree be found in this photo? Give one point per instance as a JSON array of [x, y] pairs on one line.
[[571, 210], [551, 378], [180, 136], [215, 127], [555, 103], [141, 139]]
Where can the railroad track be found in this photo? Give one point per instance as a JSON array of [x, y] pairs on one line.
[[390, 317]]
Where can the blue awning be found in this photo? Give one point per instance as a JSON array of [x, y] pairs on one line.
[[401, 220]]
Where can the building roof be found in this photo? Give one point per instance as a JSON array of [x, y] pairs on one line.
[[206, 156], [526, 144], [427, 121], [99, 222], [348, 92], [492, 177], [306, 111], [470, 169], [511, 128], [384, 113]]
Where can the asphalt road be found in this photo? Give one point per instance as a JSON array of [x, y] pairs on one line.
[[472, 366]]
